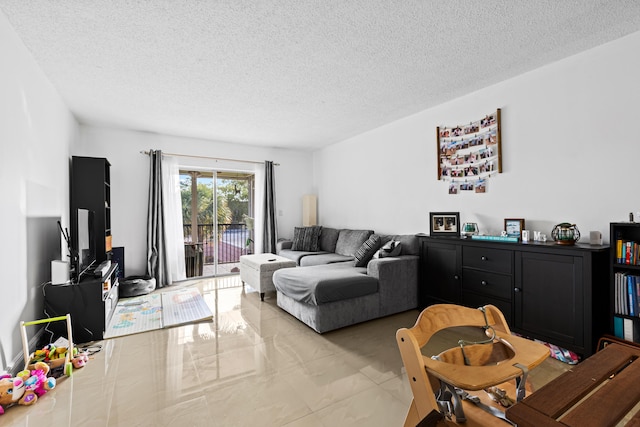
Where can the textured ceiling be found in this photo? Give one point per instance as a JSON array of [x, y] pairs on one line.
[[294, 73]]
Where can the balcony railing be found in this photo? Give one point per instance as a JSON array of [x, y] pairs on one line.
[[231, 242]]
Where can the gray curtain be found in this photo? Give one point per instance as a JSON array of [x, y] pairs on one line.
[[157, 265], [270, 237]]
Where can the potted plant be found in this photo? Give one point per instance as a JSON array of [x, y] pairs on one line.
[[249, 221]]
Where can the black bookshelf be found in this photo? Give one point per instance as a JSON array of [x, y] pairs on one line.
[[91, 189], [625, 280]]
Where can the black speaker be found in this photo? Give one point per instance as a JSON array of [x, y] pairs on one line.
[[118, 256]]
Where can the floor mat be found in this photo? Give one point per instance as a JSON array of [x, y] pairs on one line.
[[184, 306], [157, 310]]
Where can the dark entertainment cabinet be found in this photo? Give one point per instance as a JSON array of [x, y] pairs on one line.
[[90, 300], [558, 294], [91, 303]]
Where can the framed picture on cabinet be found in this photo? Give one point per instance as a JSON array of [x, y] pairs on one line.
[[514, 226], [444, 224]]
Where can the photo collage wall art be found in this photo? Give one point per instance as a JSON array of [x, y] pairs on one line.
[[469, 154]]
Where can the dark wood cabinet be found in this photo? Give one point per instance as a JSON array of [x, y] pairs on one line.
[[90, 300], [91, 303], [558, 294]]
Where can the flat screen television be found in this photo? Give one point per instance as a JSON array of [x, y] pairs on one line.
[[85, 242]]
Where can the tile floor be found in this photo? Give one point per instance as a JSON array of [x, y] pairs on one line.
[[253, 365]]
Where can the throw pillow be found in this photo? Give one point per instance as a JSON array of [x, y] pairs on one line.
[[366, 251], [306, 238], [391, 248]]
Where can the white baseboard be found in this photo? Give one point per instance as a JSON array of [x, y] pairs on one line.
[[17, 364]]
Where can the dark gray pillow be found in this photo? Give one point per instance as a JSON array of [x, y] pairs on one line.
[[306, 238], [350, 240], [328, 239], [366, 251], [410, 244], [391, 248]]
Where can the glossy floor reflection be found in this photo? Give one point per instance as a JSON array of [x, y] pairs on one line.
[[253, 365]]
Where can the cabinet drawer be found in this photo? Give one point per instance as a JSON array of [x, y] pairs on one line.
[[482, 282], [110, 303], [496, 260]]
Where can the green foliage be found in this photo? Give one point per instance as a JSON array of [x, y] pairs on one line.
[[232, 200], [236, 194]]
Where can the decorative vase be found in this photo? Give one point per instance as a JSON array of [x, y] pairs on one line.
[[565, 234], [469, 229]]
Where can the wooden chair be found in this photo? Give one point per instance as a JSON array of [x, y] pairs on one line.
[[471, 366]]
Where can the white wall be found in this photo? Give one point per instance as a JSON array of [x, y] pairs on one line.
[[130, 179], [36, 130], [569, 143]]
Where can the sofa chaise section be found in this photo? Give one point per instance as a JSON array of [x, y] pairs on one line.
[[333, 315], [320, 284]]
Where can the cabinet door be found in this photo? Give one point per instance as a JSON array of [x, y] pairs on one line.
[[84, 303], [549, 298], [441, 270]]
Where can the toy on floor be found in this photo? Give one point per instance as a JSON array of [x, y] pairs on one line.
[[56, 356], [68, 355], [80, 360], [26, 387]]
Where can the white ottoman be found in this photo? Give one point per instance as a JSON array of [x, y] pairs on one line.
[[257, 270]]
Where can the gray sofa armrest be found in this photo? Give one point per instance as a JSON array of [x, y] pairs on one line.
[[283, 244], [397, 281]]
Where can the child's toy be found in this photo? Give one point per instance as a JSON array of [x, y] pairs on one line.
[[11, 391], [56, 356], [50, 354], [68, 366], [26, 387], [80, 360]]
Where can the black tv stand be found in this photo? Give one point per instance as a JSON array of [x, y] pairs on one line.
[[91, 303]]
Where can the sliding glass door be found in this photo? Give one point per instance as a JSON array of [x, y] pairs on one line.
[[217, 214]]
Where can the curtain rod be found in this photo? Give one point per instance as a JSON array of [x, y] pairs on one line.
[[210, 158]]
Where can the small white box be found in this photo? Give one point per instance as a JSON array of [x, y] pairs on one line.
[[59, 272], [595, 237]]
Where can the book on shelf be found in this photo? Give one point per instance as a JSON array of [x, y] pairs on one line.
[[618, 326], [627, 252], [626, 329], [627, 294], [633, 300]]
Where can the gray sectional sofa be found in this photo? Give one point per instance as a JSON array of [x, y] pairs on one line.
[[349, 277]]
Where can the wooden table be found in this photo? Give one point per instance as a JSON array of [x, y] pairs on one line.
[[612, 376]]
